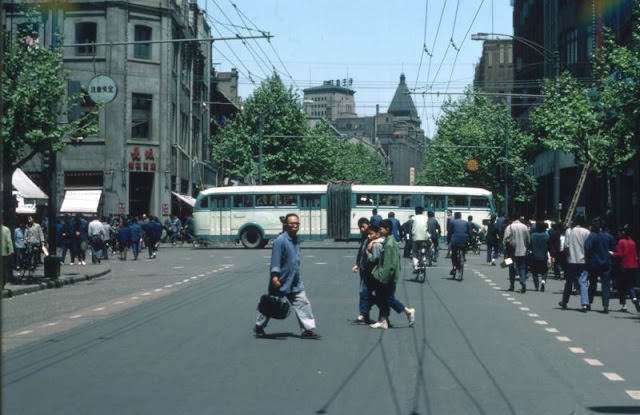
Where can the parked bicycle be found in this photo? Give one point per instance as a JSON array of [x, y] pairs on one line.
[[27, 264]]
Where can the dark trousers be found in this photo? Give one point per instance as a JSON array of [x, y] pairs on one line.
[[152, 245], [572, 277], [366, 293], [382, 292], [624, 282]]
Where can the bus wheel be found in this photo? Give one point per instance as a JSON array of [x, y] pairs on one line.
[[251, 238], [264, 243]]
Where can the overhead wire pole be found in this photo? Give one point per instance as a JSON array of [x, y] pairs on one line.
[[553, 58]]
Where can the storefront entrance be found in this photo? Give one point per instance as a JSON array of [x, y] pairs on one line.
[[140, 187]]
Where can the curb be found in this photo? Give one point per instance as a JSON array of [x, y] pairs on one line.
[[59, 283]]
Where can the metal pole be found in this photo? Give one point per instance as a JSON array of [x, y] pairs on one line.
[[260, 137]]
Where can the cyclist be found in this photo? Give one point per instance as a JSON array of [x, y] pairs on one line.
[[461, 233], [434, 230], [475, 233], [419, 234], [34, 241]]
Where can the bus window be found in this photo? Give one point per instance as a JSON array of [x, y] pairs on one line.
[[287, 200], [389, 200], [458, 202], [204, 202], [310, 201], [219, 203], [479, 202], [265, 200], [434, 202], [363, 199], [243, 201]]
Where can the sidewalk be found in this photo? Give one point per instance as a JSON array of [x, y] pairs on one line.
[[69, 274]]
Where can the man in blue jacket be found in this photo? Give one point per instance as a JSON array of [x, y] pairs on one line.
[[285, 280], [596, 249]]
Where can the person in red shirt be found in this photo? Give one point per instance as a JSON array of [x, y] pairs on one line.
[[627, 254]]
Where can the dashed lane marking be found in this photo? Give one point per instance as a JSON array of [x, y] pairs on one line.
[[563, 339], [525, 308], [24, 332], [321, 263], [576, 350], [533, 315], [541, 322], [53, 323], [517, 302], [552, 330], [99, 309], [75, 316], [593, 362], [177, 267], [634, 394], [614, 377]]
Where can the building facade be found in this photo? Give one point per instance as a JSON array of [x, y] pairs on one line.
[[567, 34], [330, 101], [140, 59], [494, 72]]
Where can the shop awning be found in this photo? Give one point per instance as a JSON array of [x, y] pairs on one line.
[[81, 201], [27, 189], [185, 198]]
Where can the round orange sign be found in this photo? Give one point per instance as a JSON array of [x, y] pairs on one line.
[[472, 165]]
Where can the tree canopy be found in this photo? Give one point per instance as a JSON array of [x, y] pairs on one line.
[[292, 153], [598, 120], [479, 144]]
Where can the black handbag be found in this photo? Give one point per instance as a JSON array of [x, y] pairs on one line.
[[274, 306]]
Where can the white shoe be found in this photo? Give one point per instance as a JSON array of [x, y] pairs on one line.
[[83, 263], [411, 316], [380, 325]]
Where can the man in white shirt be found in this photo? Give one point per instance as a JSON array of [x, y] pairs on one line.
[[519, 234], [419, 233], [575, 239], [96, 238]]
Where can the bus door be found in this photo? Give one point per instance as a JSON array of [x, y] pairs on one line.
[[311, 216], [437, 204], [220, 217]]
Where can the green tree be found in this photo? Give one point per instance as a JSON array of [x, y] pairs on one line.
[[598, 121], [34, 101], [292, 153], [477, 128]]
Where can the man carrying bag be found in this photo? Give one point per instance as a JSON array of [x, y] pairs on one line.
[[285, 282]]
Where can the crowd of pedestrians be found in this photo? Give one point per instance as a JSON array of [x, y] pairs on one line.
[[81, 236]]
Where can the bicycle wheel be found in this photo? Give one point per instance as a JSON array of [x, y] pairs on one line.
[[460, 264]]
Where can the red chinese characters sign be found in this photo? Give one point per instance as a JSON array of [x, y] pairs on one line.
[[144, 162]]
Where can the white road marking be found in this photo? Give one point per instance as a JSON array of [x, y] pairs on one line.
[[511, 299], [488, 280], [168, 286], [576, 350], [497, 288], [118, 302], [525, 308], [614, 377], [552, 330], [178, 267], [517, 302], [634, 394], [76, 316], [24, 332], [54, 323], [593, 362], [321, 263], [505, 294], [135, 298], [146, 294], [99, 309], [533, 315], [563, 338], [541, 322], [157, 290], [492, 283]]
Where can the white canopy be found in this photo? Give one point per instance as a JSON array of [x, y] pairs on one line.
[[26, 188], [185, 198], [81, 201]]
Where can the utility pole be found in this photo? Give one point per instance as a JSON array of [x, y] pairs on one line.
[[260, 138]]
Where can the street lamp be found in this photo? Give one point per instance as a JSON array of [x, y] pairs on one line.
[[552, 57]]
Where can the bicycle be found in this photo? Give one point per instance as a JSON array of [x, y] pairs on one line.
[[425, 259], [474, 245], [460, 258], [28, 264]]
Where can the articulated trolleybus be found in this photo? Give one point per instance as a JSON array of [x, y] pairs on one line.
[[252, 214]]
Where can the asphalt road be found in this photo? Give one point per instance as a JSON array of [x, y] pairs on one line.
[[173, 335]]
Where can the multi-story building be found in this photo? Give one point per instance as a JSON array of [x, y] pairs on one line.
[[494, 72], [550, 37], [330, 101], [396, 134], [149, 62]]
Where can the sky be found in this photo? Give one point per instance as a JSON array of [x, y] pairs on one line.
[[372, 42]]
